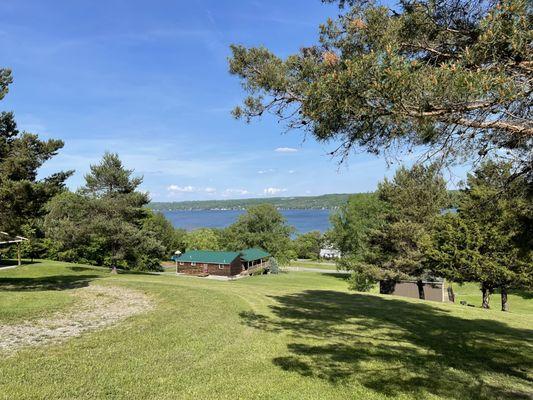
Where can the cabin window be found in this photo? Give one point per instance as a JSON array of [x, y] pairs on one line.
[[193, 264], [181, 263], [220, 266]]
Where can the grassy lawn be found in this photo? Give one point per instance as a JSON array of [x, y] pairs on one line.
[[298, 335], [313, 264]]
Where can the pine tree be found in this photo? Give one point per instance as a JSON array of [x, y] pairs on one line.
[[489, 240], [104, 223], [22, 194], [412, 201], [453, 76]]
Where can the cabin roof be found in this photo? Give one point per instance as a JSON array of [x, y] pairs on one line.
[[209, 256], [254, 254], [222, 257]]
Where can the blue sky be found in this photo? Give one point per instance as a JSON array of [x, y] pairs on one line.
[[150, 81]]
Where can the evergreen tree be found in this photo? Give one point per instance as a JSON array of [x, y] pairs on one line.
[[273, 266], [490, 239], [105, 223], [110, 178], [412, 201], [453, 76], [22, 194]]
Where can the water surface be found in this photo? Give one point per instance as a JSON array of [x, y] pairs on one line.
[[303, 220]]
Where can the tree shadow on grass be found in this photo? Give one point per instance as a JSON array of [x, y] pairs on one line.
[[527, 295], [53, 282], [77, 268], [340, 276], [394, 347], [104, 270], [11, 263]]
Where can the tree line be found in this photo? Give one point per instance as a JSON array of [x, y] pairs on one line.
[[328, 201], [405, 231]]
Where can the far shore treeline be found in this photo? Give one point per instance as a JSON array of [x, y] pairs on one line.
[[326, 201], [323, 202]]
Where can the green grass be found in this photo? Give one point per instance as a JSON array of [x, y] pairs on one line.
[[34, 290], [313, 265], [298, 335]]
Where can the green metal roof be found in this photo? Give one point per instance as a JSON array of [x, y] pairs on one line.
[[209, 257], [253, 254]]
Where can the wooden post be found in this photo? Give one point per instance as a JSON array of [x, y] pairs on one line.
[[18, 254]]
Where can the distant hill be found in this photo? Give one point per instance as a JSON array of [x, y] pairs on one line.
[[327, 201]]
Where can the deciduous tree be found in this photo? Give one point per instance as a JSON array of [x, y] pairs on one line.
[[353, 221], [261, 226], [202, 239], [307, 245]]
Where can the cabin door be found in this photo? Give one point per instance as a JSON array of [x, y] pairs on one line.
[[206, 269]]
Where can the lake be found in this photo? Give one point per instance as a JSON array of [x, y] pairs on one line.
[[303, 220]]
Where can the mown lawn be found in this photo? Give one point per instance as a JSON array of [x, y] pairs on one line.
[[313, 264], [293, 336]]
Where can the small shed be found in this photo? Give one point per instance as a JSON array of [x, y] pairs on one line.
[[436, 290]]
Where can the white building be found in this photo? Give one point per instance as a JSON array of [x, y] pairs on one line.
[[330, 252]]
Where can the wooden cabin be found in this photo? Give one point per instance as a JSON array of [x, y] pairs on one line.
[[254, 259], [222, 263]]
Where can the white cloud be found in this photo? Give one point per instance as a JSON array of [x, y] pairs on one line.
[[266, 171], [236, 191], [190, 189], [181, 189], [272, 191], [291, 171], [286, 150]]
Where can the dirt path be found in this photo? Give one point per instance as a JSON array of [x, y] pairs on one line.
[[98, 307]]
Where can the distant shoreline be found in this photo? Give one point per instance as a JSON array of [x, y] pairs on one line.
[[323, 202]]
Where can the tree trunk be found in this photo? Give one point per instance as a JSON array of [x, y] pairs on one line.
[[505, 305], [420, 285], [486, 297], [19, 259]]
